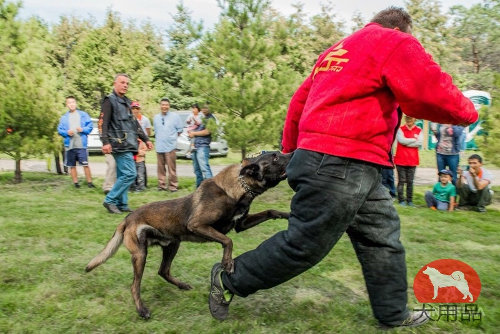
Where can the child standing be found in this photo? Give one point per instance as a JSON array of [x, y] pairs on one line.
[[193, 121], [409, 138], [442, 196], [140, 166]]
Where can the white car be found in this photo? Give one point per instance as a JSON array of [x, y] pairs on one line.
[[218, 146], [94, 144]]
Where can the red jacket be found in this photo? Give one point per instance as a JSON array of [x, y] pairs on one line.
[[347, 106], [407, 147]]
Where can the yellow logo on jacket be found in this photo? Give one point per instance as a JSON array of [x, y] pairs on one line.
[[333, 60]]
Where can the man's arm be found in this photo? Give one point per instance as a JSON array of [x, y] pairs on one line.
[[422, 89], [291, 127]]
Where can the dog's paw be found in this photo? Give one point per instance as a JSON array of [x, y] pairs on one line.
[[279, 214], [228, 266], [184, 286], [144, 313]]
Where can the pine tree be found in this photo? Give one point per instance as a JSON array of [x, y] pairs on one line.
[[242, 75], [27, 87]]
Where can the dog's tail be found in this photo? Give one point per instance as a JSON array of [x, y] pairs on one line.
[[110, 248]]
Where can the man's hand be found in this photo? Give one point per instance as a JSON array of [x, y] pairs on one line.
[[79, 129], [71, 132], [149, 144], [106, 149], [459, 171], [191, 134]]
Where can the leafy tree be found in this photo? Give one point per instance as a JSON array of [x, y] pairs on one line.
[[430, 27], [182, 37], [479, 30], [27, 87], [326, 29], [490, 143], [242, 75], [110, 49]]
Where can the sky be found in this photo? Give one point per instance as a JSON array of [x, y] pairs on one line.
[[160, 12]]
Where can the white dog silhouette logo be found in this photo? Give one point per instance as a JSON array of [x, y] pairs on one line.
[[456, 279]]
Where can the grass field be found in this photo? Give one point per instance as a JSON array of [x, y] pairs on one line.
[[49, 232]]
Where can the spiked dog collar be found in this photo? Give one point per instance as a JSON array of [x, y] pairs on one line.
[[247, 188]]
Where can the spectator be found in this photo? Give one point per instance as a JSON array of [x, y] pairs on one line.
[[442, 196], [140, 167], [168, 126], [110, 176], [202, 139], [388, 180], [119, 131], [335, 170], [143, 120], [473, 185], [74, 127], [449, 142], [193, 121], [141, 181], [409, 138]]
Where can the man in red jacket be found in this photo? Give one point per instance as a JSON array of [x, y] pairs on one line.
[[340, 125]]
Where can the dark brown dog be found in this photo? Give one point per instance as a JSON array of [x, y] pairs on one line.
[[215, 208]]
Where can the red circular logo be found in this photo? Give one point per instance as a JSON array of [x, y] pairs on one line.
[[447, 281]]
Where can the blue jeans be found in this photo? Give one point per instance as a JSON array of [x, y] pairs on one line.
[[333, 195], [451, 161], [125, 176], [431, 200], [200, 164], [388, 180]]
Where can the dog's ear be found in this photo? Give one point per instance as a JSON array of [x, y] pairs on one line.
[[253, 171]]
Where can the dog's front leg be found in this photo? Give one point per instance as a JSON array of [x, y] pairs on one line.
[[436, 287], [257, 218], [212, 234]]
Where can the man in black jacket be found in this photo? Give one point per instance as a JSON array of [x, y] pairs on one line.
[[119, 131]]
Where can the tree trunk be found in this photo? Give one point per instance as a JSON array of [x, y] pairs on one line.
[[18, 178], [58, 163], [243, 153]]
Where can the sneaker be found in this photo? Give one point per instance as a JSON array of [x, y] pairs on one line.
[[415, 319], [112, 208], [481, 209], [125, 209], [90, 185], [433, 208], [77, 185], [402, 203], [219, 298], [410, 204]]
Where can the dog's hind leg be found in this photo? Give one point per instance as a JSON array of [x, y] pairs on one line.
[[138, 262], [164, 271]]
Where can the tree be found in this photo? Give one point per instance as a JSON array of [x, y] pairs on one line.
[[479, 30], [242, 75], [27, 87], [105, 51], [430, 27], [182, 37]]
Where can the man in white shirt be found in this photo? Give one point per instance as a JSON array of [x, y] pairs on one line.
[[473, 185]]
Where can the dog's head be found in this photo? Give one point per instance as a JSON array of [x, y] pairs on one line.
[[265, 171]]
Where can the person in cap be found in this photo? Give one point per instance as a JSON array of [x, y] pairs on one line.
[[442, 196], [141, 181]]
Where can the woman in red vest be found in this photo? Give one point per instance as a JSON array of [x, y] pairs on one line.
[[409, 138]]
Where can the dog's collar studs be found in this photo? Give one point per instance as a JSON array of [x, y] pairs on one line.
[[247, 188]]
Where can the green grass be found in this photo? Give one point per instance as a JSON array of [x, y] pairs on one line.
[[49, 232]]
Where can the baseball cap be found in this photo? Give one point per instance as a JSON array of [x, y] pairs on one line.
[[446, 172], [135, 104]]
